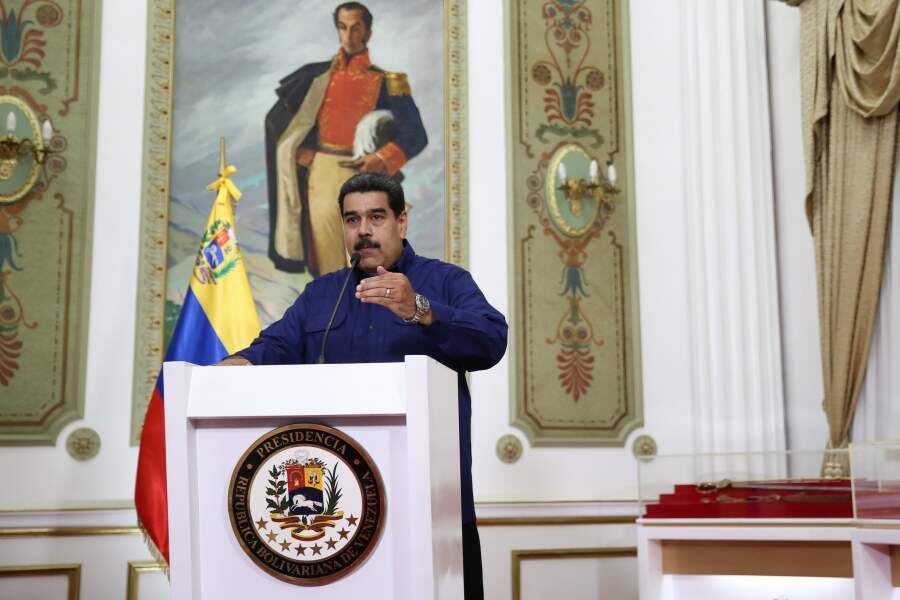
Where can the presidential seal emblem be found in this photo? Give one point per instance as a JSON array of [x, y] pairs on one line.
[[306, 503]]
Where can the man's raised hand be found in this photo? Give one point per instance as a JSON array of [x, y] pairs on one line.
[[391, 290]]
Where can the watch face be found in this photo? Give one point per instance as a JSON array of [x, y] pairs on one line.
[[422, 303]]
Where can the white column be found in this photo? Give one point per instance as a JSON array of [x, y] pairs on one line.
[[732, 285]]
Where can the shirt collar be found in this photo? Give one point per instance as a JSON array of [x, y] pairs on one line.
[[357, 62]]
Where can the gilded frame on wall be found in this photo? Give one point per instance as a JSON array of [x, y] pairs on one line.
[[158, 165], [575, 347]]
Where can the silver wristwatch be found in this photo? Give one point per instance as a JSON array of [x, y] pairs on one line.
[[422, 308]]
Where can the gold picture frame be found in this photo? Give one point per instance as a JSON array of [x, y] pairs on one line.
[[72, 572]]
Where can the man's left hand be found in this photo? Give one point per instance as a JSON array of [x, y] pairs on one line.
[[372, 163], [392, 291]]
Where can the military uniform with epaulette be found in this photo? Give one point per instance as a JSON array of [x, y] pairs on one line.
[[309, 144]]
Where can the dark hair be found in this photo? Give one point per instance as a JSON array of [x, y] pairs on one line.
[[375, 182], [366, 15]]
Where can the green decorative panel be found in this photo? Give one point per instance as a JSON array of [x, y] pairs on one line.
[[49, 56], [575, 310]]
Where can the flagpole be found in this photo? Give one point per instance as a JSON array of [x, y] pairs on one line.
[[222, 164]]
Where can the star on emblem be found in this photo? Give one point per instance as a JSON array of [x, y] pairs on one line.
[[331, 544], [301, 549], [285, 545], [317, 549], [351, 520], [261, 523], [272, 536], [343, 533]]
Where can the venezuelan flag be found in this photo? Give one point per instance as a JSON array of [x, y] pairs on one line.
[[218, 318]]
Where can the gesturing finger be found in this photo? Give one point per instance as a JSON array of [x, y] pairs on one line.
[[374, 281], [380, 283]]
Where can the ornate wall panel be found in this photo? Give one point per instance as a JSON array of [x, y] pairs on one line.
[[49, 53], [577, 375]]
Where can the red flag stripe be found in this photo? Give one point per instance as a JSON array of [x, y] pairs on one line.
[[150, 486]]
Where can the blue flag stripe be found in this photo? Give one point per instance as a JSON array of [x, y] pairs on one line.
[[194, 339]]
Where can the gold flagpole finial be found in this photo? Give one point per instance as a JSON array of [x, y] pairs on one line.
[[223, 185], [221, 154]]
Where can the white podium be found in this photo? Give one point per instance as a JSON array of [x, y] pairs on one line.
[[404, 415]]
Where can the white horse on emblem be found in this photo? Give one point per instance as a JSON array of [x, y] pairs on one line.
[[300, 501]]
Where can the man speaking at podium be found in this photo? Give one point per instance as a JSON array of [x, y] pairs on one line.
[[396, 304]]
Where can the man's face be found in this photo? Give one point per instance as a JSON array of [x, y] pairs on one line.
[[372, 229], [352, 31]]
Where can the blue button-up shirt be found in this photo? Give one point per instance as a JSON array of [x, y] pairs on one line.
[[467, 334]]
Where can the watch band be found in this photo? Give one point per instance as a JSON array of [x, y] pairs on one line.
[[422, 308]]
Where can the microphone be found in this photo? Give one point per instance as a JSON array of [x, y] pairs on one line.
[[354, 260]]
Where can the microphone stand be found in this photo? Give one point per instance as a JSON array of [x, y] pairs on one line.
[[354, 260]]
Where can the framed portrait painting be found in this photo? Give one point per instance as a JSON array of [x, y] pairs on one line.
[[305, 93]]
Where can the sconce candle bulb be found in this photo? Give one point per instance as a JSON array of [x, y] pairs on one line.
[[25, 153], [14, 149], [47, 131], [611, 174], [594, 172], [561, 173]]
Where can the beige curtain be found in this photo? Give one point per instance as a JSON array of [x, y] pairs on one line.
[[850, 82]]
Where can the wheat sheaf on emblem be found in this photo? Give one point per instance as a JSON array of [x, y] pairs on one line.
[[303, 497]]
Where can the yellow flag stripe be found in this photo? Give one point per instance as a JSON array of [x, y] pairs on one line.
[[219, 280]]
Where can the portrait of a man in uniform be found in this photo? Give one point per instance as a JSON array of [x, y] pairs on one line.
[[332, 119], [305, 93]]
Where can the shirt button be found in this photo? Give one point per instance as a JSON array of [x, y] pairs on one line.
[[371, 328]]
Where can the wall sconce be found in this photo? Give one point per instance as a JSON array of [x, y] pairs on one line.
[[576, 190], [13, 149], [24, 149]]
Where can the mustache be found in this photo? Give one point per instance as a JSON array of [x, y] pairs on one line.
[[366, 243]]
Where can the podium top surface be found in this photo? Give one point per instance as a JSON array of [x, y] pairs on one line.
[[376, 389]]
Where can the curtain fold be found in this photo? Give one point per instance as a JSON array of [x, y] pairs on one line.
[[867, 55], [850, 86]]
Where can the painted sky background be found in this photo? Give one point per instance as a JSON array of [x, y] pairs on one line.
[[230, 55]]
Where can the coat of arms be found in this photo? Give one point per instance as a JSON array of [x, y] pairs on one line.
[[303, 497], [306, 503]]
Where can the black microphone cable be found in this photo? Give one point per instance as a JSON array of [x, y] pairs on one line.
[[354, 260]]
